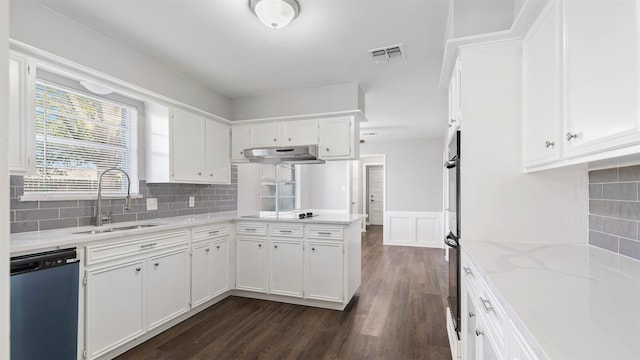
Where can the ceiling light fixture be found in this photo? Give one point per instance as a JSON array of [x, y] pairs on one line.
[[275, 14]]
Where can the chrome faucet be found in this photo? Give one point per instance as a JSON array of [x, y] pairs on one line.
[[127, 206]]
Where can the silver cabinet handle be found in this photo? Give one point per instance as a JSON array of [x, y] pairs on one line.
[[138, 269], [286, 231], [241, 152], [156, 264], [211, 174], [207, 249], [214, 232], [289, 139], [571, 136], [275, 246], [324, 233], [199, 172], [479, 333], [217, 247], [549, 144], [259, 245], [467, 271], [148, 245], [248, 229], [487, 305], [471, 314], [328, 150], [275, 140], [313, 249]]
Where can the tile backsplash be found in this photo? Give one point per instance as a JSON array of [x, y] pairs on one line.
[[173, 200], [614, 210]]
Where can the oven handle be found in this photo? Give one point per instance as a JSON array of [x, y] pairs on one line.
[[450, 241], [451, 163]]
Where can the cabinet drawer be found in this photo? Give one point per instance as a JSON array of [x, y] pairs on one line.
[[286, 230], [134, 245], [251, 229], [209, 231], [324, 232]]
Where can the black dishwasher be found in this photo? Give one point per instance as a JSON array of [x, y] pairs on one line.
[[44, 305]]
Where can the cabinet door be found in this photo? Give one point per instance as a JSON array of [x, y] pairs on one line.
[[470, 327], [601, 75], [21, 116], [335, 137], [201, 273], [240, 140], [454, 97], [218, 168], [300, 133], [220, 279], [168, 286], [114, 301], [188, 147], [285, 268], [324, 271], [251, 264], [542, 81], [265, 135], [486, 345]]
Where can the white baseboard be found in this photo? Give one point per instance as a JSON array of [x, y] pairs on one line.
[[413, 228]]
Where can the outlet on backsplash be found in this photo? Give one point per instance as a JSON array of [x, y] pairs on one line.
[[192, 201], [152, 204]]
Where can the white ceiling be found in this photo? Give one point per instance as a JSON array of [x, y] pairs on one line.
[[221, 44]]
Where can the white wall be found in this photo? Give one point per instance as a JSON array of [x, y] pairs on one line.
[[498, 201], [65, 38], [248, 187], [4, 181], [473, 17], [326, 186], [414, 173], [326, 99]]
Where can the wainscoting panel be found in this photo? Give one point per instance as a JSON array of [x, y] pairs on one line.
[[413, 228]]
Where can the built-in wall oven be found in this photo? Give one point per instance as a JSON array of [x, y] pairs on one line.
[[452, 239]]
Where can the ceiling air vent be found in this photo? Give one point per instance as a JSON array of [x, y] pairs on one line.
[[387, 54]]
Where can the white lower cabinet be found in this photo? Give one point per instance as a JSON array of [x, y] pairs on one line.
[[209, 262], [168, 286], [132, 287], [115, 306], [251, 264], [324, 271], [487, 330], [286, 267]]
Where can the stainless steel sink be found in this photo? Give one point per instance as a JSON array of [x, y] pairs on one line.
[[113, 229]]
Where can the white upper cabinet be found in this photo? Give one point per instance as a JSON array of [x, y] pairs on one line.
[[339, 138], [218, 164], [601, 70], [542, 89], [187, 147], [240, 140], [454, 97], [265, 135], [183, 147], [22, 77], [300, 133]]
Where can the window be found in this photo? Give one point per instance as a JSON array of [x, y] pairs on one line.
[[78, 137], [278, 188]]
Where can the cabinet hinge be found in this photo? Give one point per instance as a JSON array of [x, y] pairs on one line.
[[28, 69], [84, 280]]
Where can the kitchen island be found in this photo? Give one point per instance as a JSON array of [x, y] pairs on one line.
[[140, 278]]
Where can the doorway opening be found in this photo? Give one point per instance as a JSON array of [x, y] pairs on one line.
[[371, 185]]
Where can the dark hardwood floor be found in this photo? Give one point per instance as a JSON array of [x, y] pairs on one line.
[[398, 313]]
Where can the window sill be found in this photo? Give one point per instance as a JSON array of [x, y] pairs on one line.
[[65, 197]]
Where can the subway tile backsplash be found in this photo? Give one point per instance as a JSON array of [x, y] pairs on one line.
[[614, 210], [173, 200]]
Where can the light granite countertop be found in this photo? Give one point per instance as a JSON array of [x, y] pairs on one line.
[[34, 241], [577, 301]]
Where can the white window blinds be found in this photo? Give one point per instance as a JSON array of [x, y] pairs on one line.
[[78, 137]]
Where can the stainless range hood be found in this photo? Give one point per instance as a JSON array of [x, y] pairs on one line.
[[305, 154]]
